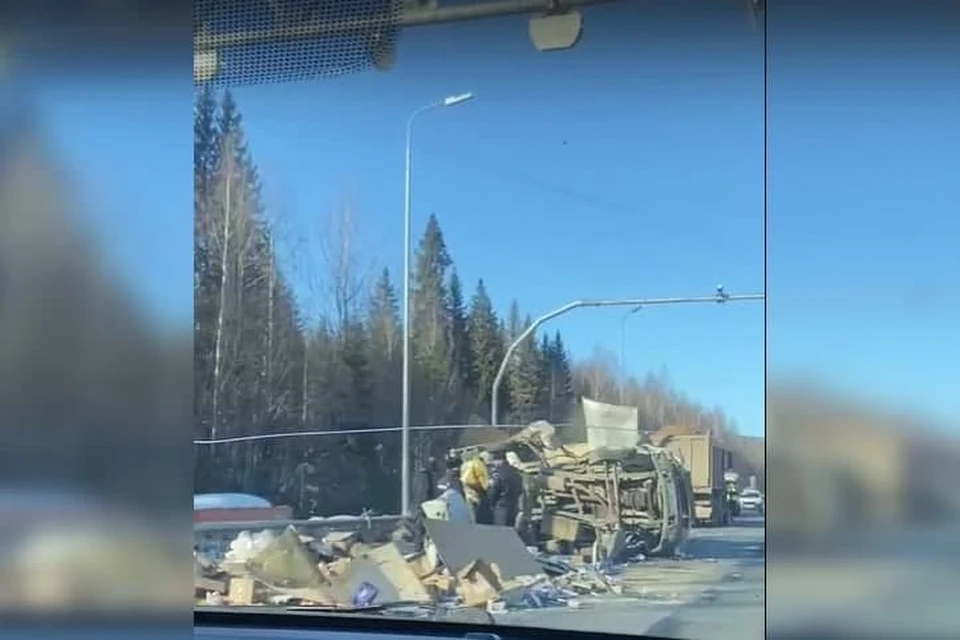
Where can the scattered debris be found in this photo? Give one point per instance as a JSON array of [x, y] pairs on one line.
[[384, 568], [457, 566], [461, 543]]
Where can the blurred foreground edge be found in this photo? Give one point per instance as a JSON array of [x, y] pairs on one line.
[[106, 625]]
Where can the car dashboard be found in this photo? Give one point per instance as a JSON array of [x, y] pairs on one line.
[[229, 625], [232, 633]]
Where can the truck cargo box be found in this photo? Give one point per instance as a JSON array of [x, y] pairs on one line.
[[701, 455]]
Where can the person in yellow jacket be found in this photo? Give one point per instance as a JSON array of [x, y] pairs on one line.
[[476, 481]]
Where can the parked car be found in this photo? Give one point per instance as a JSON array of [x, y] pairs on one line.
[[751, 500], [210, 508]]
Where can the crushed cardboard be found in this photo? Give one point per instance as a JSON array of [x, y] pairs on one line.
[[330, 571]]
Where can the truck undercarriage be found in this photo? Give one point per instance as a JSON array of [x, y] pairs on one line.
[[606, 502]]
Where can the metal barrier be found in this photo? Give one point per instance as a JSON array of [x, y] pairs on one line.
[[303, 525]]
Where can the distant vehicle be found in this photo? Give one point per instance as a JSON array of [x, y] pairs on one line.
[[236, 507], [751, 500], [229, 501]]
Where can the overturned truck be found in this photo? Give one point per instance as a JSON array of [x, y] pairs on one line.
[[603, 500]]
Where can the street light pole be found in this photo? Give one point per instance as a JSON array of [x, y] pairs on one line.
[[720, 297], [623, 361], [405, 475]]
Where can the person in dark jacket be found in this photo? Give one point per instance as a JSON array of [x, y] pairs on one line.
[[422, 489], [424, 483], [506, 489], [451, 475], [482, 512]]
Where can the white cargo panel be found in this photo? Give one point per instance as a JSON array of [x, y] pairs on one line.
[[610, 425]]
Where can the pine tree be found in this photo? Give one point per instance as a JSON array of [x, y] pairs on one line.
[[560, 395], [225, 211], [205, 294], [205, 142], [545, 401], [386, 364], [285, 345], [356, 384], [433, 399], [525, 380], [510, 329], [430, 291], [514, 325], [230, 123], [460, 346], [384, 317], [205, 152], [486, 348], [385, 349]]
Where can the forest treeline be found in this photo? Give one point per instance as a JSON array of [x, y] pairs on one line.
[[264, 365]]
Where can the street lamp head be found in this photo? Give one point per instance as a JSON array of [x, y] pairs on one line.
[[449, 101]]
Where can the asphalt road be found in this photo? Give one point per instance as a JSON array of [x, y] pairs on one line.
[[714, 590], [894, 582]]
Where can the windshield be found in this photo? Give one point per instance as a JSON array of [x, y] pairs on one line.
[[420, 411], [473, 319]]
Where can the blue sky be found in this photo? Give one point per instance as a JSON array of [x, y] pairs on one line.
[[631, 166]]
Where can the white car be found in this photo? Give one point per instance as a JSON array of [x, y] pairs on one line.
[[751, 500]]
